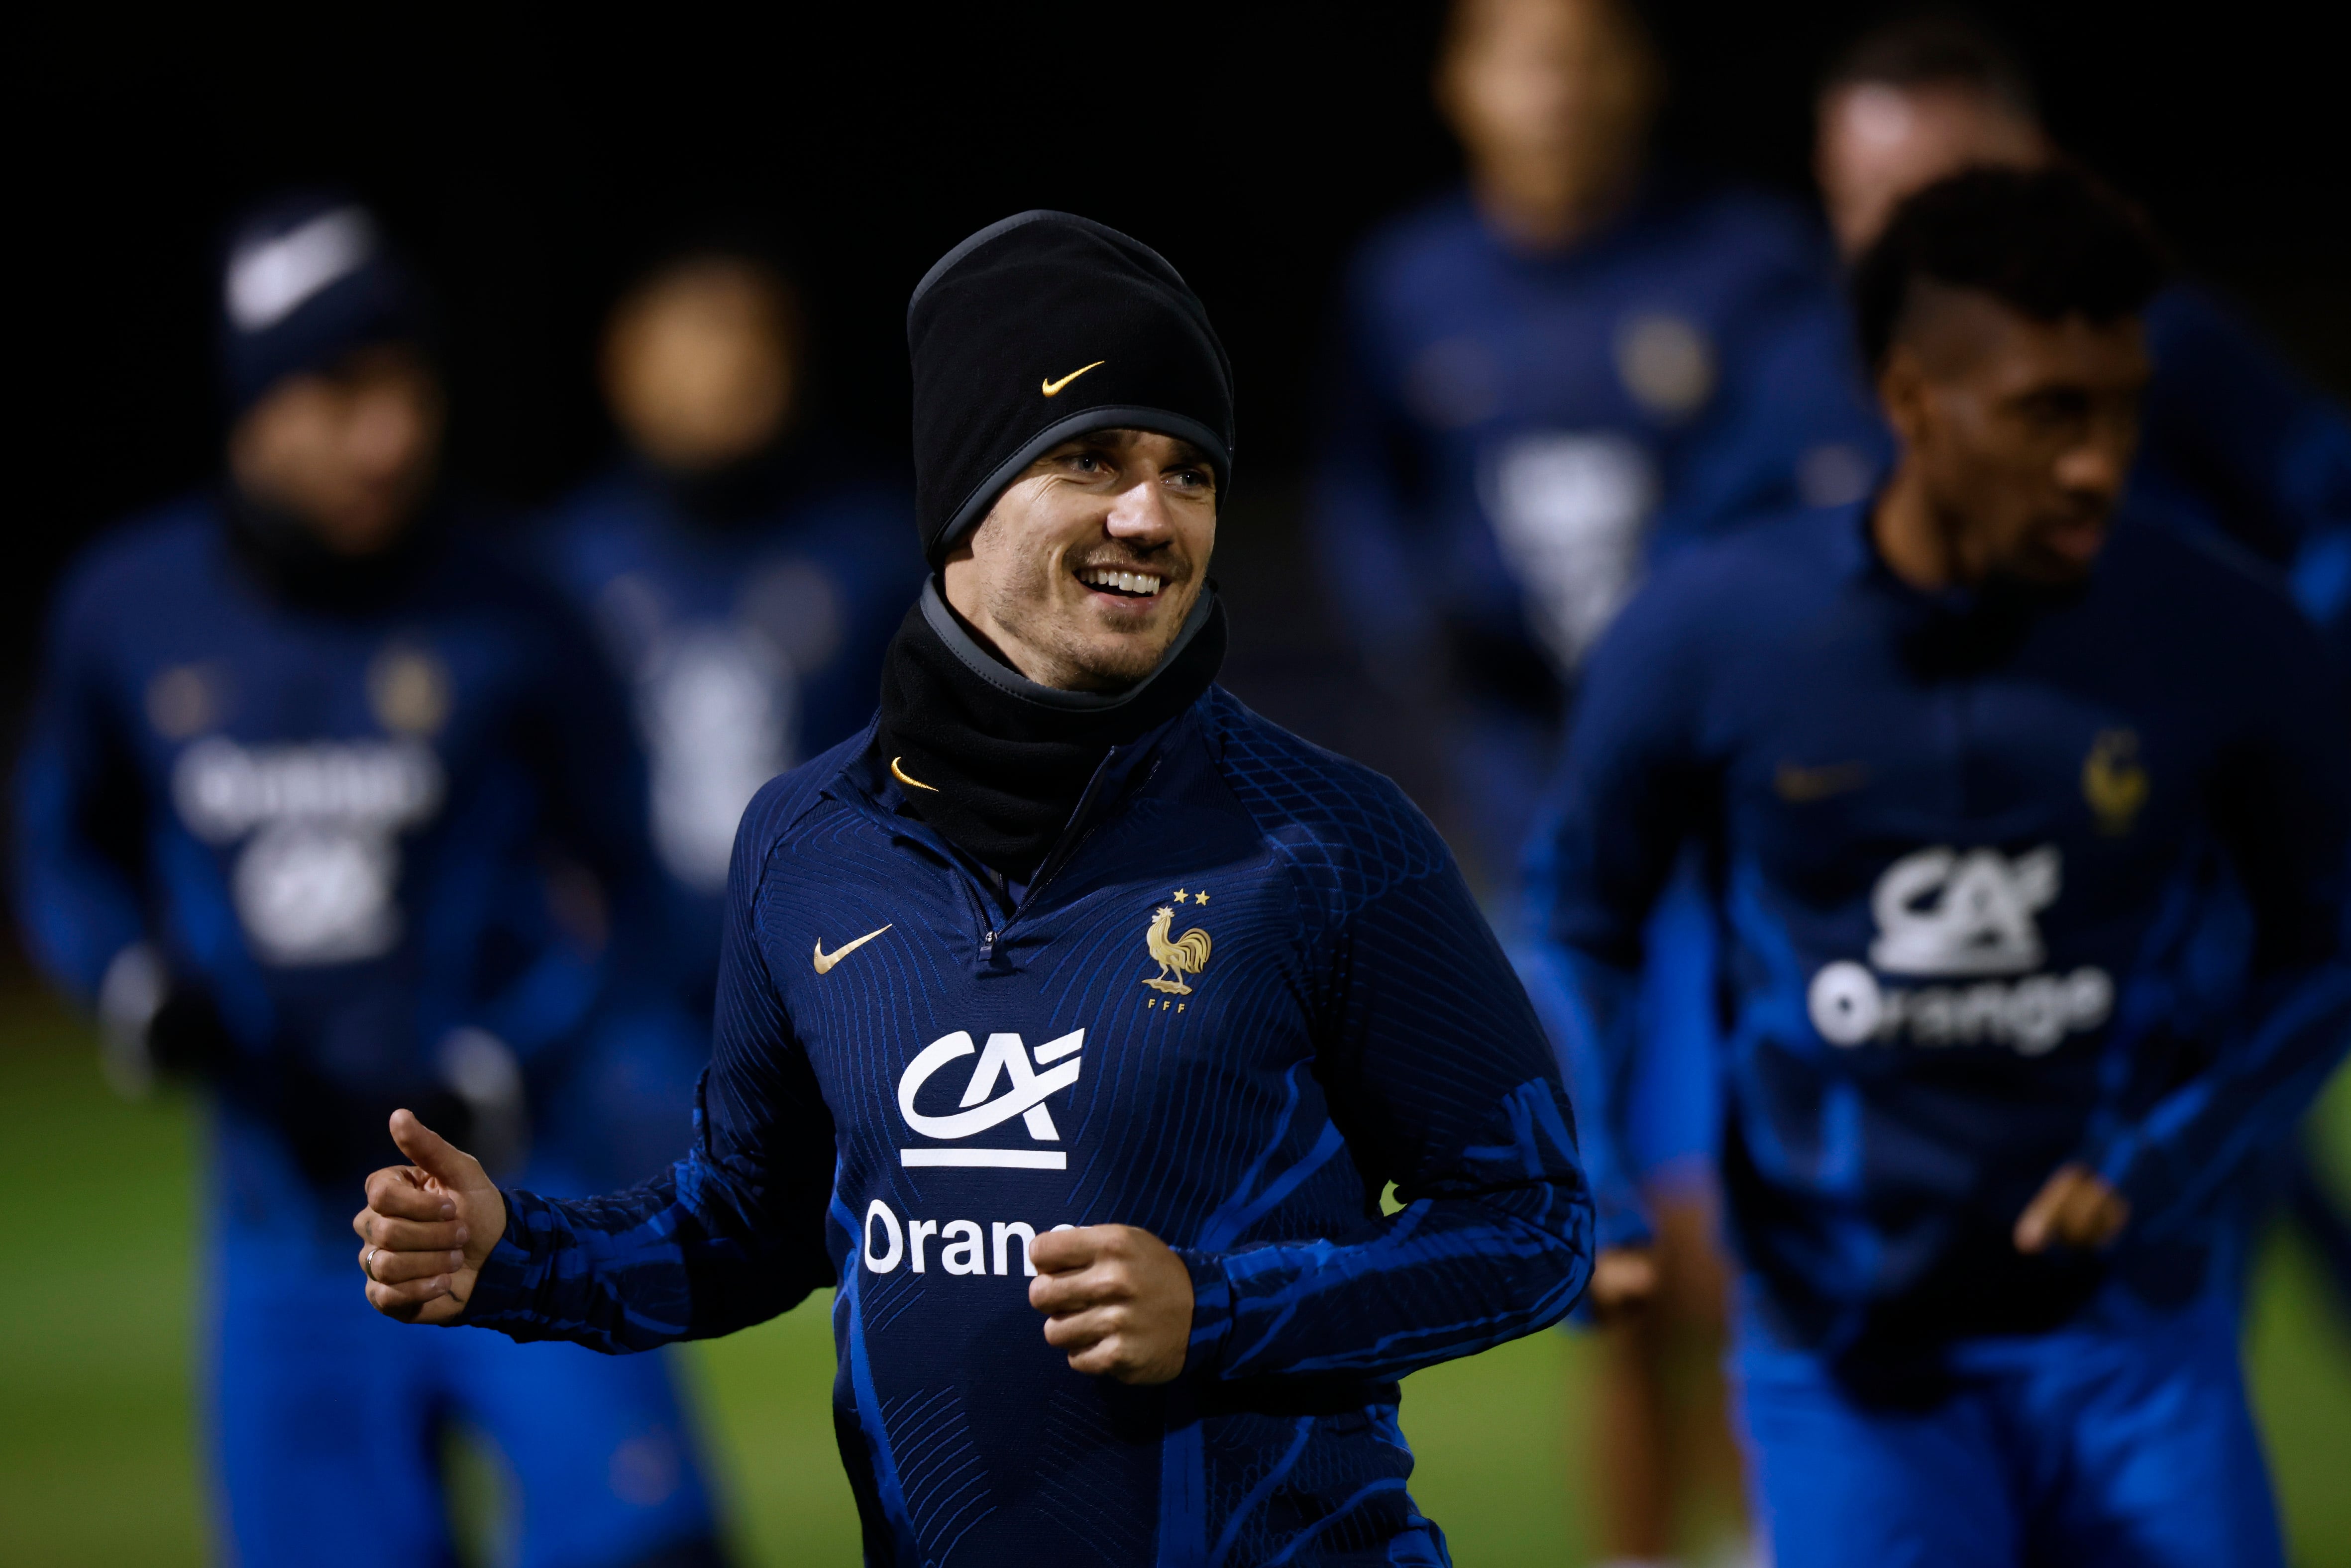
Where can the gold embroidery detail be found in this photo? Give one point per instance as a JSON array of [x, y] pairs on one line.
[[1177, 956]]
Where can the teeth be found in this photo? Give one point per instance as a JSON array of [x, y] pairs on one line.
[[1125, 581]]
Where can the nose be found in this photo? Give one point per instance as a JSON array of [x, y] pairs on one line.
[[1139, 513], [2096, 466], [387, 435]]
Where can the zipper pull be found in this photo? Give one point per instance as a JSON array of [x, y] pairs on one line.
[[988, 945]]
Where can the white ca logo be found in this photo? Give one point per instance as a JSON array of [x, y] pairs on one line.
[[1942, 913], [1025, 1090], [1945, 915]]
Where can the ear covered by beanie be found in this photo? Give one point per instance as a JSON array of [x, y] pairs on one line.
[[1041, 327], [308, 279]]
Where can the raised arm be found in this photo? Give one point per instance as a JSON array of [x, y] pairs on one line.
[[731, 1235], [1439, 1080], [81, 814]]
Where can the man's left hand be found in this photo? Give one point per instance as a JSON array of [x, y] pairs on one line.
[[2074, 1207], [1116, 1299]]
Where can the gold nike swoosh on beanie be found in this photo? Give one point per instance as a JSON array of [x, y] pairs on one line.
[[1053, 388], [903, 777]]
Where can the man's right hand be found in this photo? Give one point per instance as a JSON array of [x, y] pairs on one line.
[[427, 1226]]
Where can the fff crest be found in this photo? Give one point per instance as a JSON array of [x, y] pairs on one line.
[[1176, 955]]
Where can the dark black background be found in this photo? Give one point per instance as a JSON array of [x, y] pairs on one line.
[[524, 161]]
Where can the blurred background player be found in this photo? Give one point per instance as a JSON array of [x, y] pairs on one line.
[[1976, 759], [300, 744], [2233, 439], [745, 572], [1550, 380]]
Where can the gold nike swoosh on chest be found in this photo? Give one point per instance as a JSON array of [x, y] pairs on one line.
[[1053, 388], [1800, 786], [825, 961]]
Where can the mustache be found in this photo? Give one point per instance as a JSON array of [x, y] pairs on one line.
[[1165, 567]]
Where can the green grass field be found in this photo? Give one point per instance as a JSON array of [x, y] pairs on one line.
[[96, 1457]]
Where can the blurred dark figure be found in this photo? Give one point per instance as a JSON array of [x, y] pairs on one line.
[[745, 568], [300, 749], [1552, 380], [2233, 442]]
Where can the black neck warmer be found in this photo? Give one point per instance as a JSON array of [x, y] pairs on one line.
[[296, 568], [1007, 759]]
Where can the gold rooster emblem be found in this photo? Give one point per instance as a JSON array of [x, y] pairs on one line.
[[1177, 957], [2114, 782]]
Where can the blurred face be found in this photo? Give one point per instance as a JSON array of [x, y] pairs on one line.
[[1877, 143], [1090, 561], [698, 365], [1552, 102], [349, 455], [2017, 433]]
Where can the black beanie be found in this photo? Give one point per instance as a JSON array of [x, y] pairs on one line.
[[308, 279], [1041, 327]]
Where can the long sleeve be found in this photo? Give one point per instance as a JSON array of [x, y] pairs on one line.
[[1439, 1079], [2283, 808], [1627, 798], [80, 815], [731, 1235]]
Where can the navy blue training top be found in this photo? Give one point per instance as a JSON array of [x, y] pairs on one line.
[[333, 820], [1985, 877], [1248, 991]]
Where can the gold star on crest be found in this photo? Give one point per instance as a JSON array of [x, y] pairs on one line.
[[1180, 895]]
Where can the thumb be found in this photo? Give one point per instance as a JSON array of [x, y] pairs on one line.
[[437, 1155]]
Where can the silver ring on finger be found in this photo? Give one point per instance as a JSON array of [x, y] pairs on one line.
[[366, 1263]]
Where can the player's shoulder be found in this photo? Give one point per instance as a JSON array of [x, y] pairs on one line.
[[1345, 829], [166, 547], [795, 802], [1441, 234], [1767, 568], [2200, 583]]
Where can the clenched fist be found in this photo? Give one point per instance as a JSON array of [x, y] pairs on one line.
[[1116, 1299]]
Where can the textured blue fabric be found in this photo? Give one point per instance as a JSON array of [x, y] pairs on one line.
[[1513, 436], [1354, 1024], [2122, 1440], [1999, 892]]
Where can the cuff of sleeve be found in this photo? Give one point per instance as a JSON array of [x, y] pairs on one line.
[[2137, 1170], [1212, 1312], [509, 1273], [1618, 1220]]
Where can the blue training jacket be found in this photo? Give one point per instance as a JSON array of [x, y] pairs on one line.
[[1983, 872], [1247, 992], [331, 820], [750, 641], [1515, 437]]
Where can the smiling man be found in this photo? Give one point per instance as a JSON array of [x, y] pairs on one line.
[[1072, 1019], [2030, 822]]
